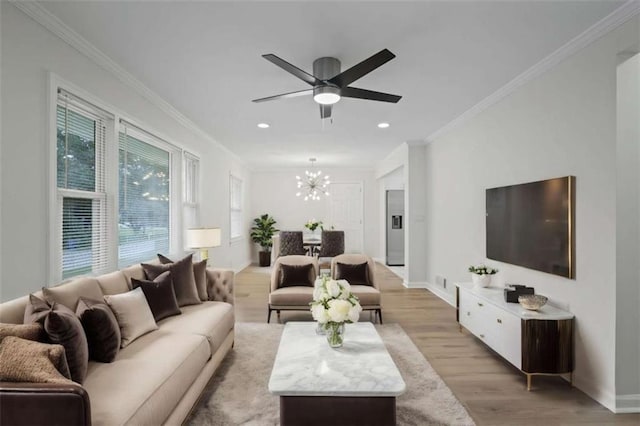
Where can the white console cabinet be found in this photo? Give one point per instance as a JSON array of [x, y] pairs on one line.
[[536, 342]]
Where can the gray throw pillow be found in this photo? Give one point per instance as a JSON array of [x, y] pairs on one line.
[[184, 282], [101, 327], [62, 327], [199, 272], [160, 295]]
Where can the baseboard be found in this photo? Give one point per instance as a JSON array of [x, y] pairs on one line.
[[628, 403], [603, 397], [442, 294], [240, 268], [414, 284]]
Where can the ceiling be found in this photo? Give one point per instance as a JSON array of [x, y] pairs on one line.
[[205, 59]]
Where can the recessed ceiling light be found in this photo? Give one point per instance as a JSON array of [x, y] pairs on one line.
[[383, 125], [263, 125]]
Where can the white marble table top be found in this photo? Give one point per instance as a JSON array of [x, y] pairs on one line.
[[306, 366]]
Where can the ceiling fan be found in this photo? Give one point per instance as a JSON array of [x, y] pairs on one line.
[[329, 84]]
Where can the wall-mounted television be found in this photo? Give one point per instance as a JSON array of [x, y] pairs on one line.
[[532, 225]]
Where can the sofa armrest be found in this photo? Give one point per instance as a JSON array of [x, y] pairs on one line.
[[44, 403], [220, 285]]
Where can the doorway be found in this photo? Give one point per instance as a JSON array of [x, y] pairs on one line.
[[346, 210]]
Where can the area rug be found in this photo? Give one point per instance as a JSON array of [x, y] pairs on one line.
[[238, 393]]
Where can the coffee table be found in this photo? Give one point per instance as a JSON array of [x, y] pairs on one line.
[[356, 384]]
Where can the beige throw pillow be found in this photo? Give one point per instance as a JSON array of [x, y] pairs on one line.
[[27, 361], [133, 314]]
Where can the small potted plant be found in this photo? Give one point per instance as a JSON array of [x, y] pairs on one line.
[[481, 275], [262, 233]]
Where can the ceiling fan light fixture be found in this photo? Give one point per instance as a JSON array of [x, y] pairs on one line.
[[326, 95]]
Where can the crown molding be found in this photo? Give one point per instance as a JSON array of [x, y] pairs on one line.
[[42, 16], [610, 22]]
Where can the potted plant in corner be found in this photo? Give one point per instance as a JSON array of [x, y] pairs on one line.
[[262, 233]]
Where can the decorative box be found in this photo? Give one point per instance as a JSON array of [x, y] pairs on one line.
[[512, 291]]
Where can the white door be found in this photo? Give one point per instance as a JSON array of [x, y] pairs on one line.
[[346, 212]]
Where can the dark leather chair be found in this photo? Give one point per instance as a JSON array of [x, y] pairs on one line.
[[291, 243]]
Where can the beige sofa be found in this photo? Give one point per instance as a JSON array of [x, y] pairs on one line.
[[155, 380]]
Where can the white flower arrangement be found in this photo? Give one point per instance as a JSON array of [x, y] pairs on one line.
[[482, 270], [333, 303]]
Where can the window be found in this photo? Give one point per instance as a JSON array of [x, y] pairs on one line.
[[81, 196], [144, 198], [117, 190], [235, 207], [191, 202]]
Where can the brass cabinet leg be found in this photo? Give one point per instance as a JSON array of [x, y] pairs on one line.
[[528, 382]]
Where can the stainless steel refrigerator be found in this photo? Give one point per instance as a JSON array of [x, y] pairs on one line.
[[395, 227]]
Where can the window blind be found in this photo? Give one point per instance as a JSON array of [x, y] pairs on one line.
[[144, 198], [82, 201]]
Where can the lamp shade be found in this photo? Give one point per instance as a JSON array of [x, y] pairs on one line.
[[203, 237]]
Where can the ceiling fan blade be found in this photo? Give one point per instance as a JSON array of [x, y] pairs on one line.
[[325, 111], [354, 92], [365, 67], [286, 95], [292, 69]]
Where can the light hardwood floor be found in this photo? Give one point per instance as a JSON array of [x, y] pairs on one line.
[[493, 391]]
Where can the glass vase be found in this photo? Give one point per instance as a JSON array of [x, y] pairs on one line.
[[335, 334]]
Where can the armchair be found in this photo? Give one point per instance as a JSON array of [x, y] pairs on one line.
[[294, 294], [362, 279]]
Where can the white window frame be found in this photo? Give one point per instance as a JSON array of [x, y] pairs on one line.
[[111, 184], [191, 189], [239, 210]]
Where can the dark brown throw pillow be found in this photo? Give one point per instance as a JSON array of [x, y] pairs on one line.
[[184, 283], [101, 328], [355, 274], [31, 331], [199, 272], [295, 275], [160, 295], [62, 327]]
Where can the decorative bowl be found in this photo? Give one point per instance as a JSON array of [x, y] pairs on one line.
[[533, 302]]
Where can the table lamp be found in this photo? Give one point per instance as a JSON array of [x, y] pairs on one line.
[[203, 239]]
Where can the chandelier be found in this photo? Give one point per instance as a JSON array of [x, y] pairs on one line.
[[313, 184]]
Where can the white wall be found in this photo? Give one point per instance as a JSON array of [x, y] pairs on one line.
[[274, 192], [562, 123], [628, 235], [29, 53]]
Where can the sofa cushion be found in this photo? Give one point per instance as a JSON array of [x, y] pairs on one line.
[[367, 295], [354, 273], [133, 271], [147, 379], [133, 314], [295, 275], [67, 294], [24, 360], [101, 328], [113, 283], [212, 320], [291, 296], [199, 273], [32, 331], [184, 282], [160, 295], [62, 327]]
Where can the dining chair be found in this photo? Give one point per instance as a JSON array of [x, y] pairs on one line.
[[291, 243]]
